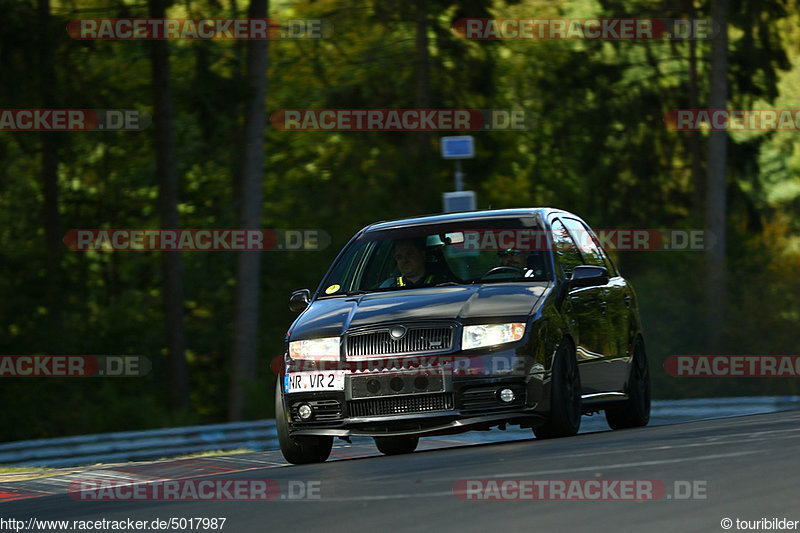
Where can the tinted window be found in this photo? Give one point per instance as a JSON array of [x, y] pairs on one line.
[[592, 255], [590, 246], [477, 251], [567, 253]]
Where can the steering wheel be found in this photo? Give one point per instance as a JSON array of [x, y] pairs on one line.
[[495, 270]]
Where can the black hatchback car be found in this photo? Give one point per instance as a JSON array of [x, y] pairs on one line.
[[446, 323]]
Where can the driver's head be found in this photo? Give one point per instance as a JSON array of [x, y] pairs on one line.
[[513, 258], [410, 257]]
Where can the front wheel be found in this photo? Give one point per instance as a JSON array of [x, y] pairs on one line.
[[565, 396], [298, 450], [396, 445], [635, 411]]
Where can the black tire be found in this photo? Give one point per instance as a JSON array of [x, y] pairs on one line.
[[635, 411], [298, 450], [396, 445], [564, 419]]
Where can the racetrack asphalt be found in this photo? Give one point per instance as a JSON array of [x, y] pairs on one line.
[[741, 467]]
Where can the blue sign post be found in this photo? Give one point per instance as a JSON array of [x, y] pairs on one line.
[[458, 148]]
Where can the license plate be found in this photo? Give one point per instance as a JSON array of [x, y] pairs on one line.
[[314, 381]]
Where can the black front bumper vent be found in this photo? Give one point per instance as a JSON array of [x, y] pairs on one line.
[[399, 405], [486, 398], [323, 410]]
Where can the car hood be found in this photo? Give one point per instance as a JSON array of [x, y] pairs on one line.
[[329, 317]]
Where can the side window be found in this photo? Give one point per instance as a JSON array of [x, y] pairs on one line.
[[567, 253], [380, 265], [609, 264], [344, 272], [596, 249], [592, 253], [612, 268]]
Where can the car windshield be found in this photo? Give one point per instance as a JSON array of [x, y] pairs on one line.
[[478, 251]]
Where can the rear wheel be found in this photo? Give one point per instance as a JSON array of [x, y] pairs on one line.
[[396, 445], [635, 411], [565, 396], [302, 449]]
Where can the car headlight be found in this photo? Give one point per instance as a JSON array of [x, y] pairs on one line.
[[491, 334], [326, 349]]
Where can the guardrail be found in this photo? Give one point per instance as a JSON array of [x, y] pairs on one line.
[[140, 445]]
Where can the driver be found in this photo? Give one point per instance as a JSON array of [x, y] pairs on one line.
[[410, 257], [514, 258]]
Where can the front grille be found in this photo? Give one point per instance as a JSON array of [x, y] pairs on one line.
[[323, 410], [416, 340], [402, 405]]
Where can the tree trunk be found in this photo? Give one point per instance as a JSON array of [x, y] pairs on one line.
[[695, 150], [423, 93], [246, 313], [421, 141], [716, 185], [171, 267], [49, 174]]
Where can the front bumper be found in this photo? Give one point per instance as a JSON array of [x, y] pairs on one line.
[[381, 403]]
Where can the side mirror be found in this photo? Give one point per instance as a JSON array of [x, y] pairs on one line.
[[299, 300], [588, 276]]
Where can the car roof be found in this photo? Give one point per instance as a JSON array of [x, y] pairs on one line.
[[543, 212]]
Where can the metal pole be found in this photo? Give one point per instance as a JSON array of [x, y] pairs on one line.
[[459, 177]]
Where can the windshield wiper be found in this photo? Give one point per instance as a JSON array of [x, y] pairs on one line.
[[447, 284]]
